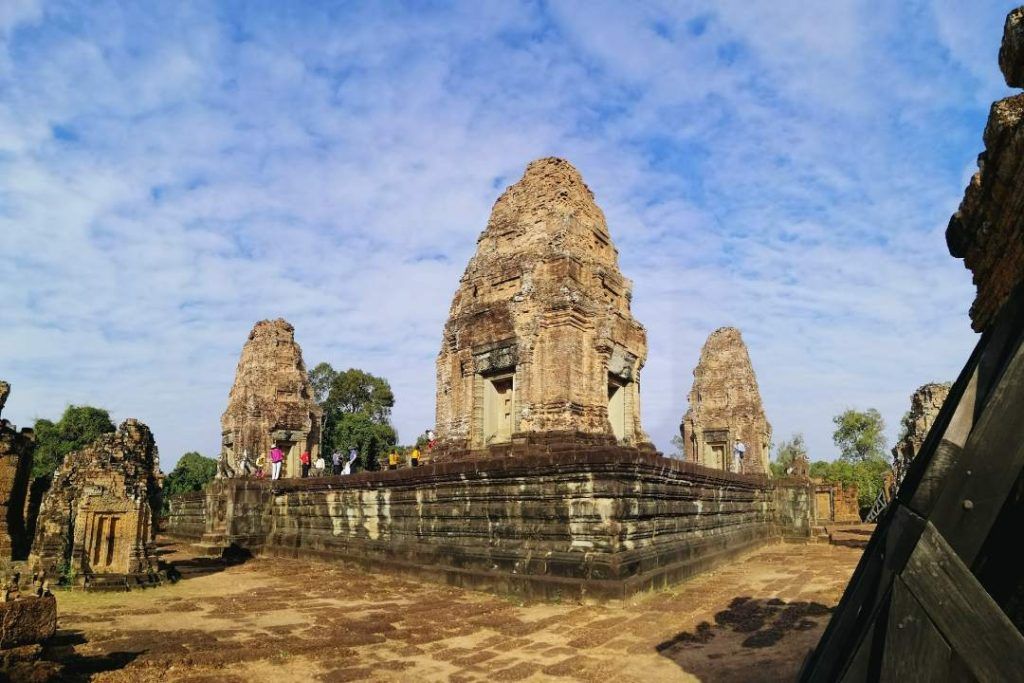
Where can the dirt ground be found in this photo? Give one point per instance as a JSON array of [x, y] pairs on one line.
[[281, 620]]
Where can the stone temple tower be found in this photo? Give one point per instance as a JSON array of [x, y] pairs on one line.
[[540, 339], [725, 407], [271, 402]]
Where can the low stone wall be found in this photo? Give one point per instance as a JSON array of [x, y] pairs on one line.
[[603, 524], [187, 519], [794, 507]]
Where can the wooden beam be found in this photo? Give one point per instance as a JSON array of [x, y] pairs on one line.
[[977, 630], [988, 466], [914, 648]]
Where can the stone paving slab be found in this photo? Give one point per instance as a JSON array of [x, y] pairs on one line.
[[287, 620]]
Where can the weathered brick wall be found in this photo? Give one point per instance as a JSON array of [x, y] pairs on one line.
[[603, 524], [794, 506], [186, 519]]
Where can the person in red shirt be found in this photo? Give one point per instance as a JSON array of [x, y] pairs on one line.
[[304, 459]]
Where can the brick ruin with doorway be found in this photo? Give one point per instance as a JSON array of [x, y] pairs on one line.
[[540, 340], [95, 526], [725, 408], [270, 403]]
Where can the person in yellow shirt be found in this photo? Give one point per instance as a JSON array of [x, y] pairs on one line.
[[414, 457], [393, 460]]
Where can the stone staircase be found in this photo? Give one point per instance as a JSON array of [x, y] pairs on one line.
[[850, 535]]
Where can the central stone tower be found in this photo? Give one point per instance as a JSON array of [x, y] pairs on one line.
[[540, 338]]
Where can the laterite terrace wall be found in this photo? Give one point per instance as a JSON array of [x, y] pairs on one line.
[[601, 524]]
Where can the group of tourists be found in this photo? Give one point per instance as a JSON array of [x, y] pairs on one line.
[[341, 463]]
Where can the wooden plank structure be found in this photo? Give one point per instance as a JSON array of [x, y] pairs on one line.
[[939, 592]]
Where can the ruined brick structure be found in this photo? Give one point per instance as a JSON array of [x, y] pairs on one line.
[[15, 470], [987, 235], [96, 521], [834, 502], [925, 404], [725, 407], [540, 338], [271, 402]]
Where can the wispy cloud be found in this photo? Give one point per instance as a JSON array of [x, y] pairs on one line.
[[170, 174]]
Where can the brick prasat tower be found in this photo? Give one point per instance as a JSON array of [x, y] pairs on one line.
[[540, 338]]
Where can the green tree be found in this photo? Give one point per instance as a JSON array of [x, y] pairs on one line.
[[357, 412], [820, 470], [788, 452], [372, 439], [78, 427], [355, 391], [867, 475], [321, 377], [860, 435], [192, 473]]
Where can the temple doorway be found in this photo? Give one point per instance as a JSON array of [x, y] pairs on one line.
[[102, 542], [498, 406], [719, 457], [617, 410]]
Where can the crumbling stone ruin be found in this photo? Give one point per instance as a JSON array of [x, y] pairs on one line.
[[987, 235], [271, 402], [725, 408], [15, 470], [925, 404], [26, 621], [540, 338], [95, 526]]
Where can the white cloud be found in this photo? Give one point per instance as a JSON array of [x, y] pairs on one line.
[[171, 176]]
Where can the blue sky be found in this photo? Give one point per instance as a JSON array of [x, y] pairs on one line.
[[172, 172]]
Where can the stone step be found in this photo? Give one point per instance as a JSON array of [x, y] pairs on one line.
[[850, 535], [207, 550]]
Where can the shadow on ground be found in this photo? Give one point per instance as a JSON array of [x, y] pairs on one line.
[[747, 624], [179, 569], [76, 666]]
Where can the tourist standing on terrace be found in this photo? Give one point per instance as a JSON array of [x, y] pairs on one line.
[[393, 459], [352, 455], [414, 457], [336, 463], [304, 460], [276, 456]]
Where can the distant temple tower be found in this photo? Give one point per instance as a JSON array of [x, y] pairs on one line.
[[540, 337], [271, 402], [725, 408]]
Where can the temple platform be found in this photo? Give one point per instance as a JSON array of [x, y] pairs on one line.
[[600, 523]]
